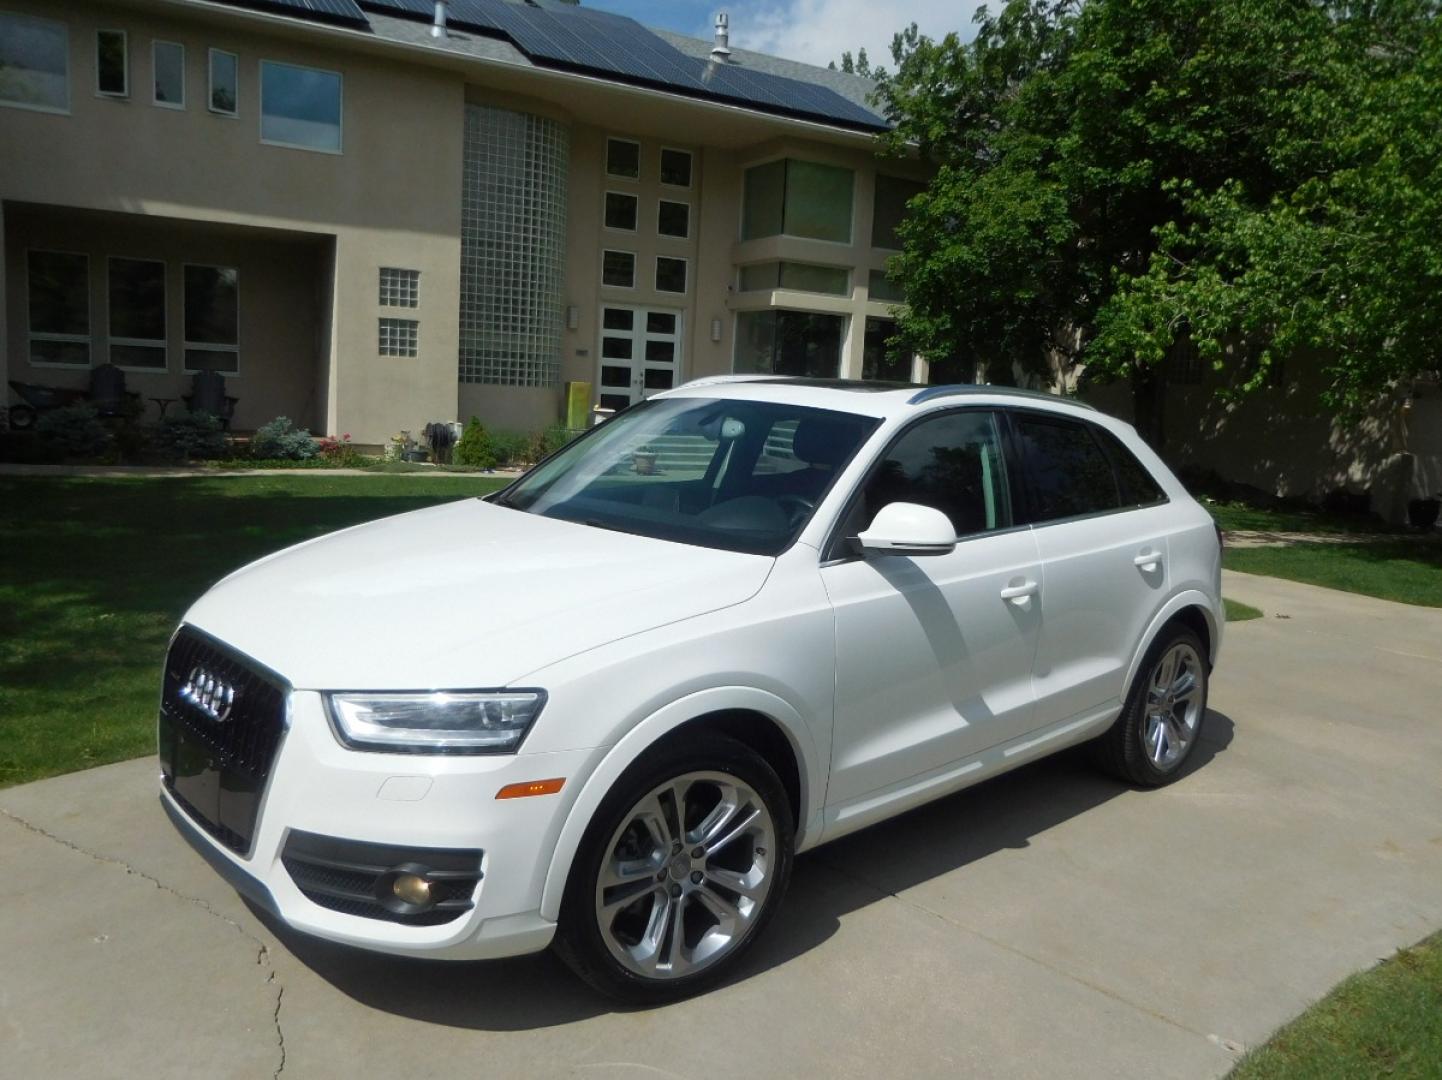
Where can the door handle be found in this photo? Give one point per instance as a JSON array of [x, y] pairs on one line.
[[1148, 560], [1020, 594]]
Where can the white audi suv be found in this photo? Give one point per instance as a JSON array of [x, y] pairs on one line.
[[604, 708]]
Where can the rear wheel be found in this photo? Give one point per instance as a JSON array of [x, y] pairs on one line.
[[1159, 727], [682, 867]]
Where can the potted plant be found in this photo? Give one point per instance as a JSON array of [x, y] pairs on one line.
[[643, 460], [1422, 513]]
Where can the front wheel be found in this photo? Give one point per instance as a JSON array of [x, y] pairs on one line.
[[682, 866], [1162, 720]]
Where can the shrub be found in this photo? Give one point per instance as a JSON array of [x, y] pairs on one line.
[[512, 447], [190, 435], [73, 431], [340, 453], [547, 442], [280, 439], [476, 447]]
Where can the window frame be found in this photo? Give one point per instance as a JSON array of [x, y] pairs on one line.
[[155, 46], [787, 159], [162, 343], [656, 276], [635, 264], [404, 329], [839, 548], [606, 163], [113, 95], [661, 153], [636, 201], [186, 345], [340, 109], [88, 338], [53, 110], [210, 55], [660, 202]]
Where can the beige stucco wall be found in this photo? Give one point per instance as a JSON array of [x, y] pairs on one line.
[[391, 198]]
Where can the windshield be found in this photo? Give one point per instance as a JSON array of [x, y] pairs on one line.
[[739, 475]]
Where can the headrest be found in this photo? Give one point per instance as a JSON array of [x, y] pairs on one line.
[[820, 441]]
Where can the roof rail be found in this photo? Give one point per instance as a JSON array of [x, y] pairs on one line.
[[931, 393], [718, 380]]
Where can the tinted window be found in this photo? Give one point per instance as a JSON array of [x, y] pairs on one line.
[[1139, 487], [953, 463], [1069, 475], [300, 107]]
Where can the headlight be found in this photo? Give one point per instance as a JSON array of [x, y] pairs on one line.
[[438, 723]]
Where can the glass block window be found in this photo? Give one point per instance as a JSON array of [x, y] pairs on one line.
[[513, 247], [400, 288], [399, 337]]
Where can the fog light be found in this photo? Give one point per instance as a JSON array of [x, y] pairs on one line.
[[412, 888]]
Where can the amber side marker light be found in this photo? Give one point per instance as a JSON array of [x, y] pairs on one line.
[[531, 787]]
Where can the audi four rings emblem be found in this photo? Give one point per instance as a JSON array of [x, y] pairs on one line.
[[208, 694]]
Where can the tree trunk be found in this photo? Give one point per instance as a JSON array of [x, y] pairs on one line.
[[1148, 397]]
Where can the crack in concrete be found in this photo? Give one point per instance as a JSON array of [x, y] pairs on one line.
[[262, 953], [1073, 977]]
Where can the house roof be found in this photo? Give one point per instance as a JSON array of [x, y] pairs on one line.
[[554, 35]]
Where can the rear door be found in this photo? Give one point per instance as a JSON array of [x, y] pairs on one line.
[[1104, 561]]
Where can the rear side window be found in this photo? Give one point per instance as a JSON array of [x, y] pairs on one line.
[[953, 463], [1139, 487], [1068, 473]]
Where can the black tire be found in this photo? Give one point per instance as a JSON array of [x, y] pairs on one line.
[[579, 940], [1122, 751]]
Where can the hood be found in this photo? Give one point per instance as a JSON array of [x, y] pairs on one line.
[[461, 596]]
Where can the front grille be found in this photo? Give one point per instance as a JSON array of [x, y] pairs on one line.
[[222, 717], [354, 877]]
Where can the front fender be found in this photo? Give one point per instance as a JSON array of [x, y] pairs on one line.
[[645, 734]]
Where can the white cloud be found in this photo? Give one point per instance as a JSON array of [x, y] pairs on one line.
[[819, 31]]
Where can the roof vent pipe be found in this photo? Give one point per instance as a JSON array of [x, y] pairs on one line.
[[438, 28], [721, 51]]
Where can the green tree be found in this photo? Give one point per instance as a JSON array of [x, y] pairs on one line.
[[1262, 177], [860, 64]]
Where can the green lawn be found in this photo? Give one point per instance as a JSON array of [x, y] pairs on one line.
[[1382, 1022], [1240, 612], [1232, 516], [94, 575]]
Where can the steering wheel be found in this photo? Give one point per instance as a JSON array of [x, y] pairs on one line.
[[798, 508]]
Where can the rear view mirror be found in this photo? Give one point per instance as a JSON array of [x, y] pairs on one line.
[[903, 528]]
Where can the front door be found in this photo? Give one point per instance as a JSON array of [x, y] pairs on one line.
[[640, 354]]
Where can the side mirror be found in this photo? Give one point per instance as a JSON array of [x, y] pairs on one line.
[[903, 528]]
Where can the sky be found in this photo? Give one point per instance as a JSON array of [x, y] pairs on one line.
[[814, 31]]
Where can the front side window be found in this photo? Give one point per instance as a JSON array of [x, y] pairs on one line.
[[34, 63], [952, 463], [168, 62], [212, 319], [137, 313], [1067, 472], [798, 198], [780, 342], [300, 107], [58, 284], [112, 63], [623, 159], [224, 82], [737, 475]]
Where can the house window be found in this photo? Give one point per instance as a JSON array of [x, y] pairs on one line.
[[58, 284], [676, 168], [168, 61], [623, 159], [400, 288], [137, 313], [618, 269], [670, 274], [798, 198], [112, 63], [300, 107], [673, 219], [212, 319], [777, 342], [881, 287], [804, 277], [621, 211], [398, 337], [876, 359], [34, 63], [224, 83], [889, 208]]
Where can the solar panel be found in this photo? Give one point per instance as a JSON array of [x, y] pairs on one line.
[[341, 11]]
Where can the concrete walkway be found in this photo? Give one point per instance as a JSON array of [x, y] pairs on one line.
[[1049, 923]]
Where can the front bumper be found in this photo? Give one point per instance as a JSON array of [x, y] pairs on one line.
[[317, 786]]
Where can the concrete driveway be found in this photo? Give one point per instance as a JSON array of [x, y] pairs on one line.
[[1047, 923]]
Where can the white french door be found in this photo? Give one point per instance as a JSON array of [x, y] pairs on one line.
[[639, 354]]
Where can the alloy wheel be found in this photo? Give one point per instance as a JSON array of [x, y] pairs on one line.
[[1174, 706]]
